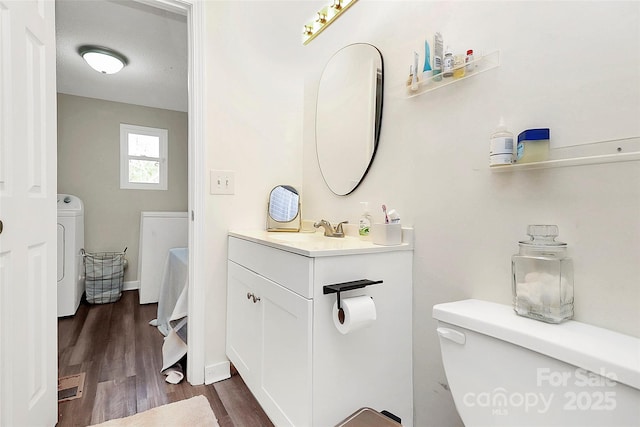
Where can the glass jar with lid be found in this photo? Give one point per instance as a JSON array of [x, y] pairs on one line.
[[543, 276]]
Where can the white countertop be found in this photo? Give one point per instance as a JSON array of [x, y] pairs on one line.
[[317, 245]]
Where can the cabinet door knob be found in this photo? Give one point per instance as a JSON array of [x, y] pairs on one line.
[[249, 295], [255, 299]]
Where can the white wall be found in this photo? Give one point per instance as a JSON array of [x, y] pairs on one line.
[[570, 66], [89, 167], [254, 127], [431, 163]]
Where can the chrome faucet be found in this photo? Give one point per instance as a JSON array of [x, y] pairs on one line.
[[329, 231]]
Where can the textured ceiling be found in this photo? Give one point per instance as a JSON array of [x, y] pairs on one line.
[[153, 40]]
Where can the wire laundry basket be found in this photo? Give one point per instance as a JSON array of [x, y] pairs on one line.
[[104, 276]]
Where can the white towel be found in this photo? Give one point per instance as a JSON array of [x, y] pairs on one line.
[[173, 288], [174, 374], [173, 350]]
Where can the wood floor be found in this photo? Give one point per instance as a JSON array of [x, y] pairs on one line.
[[122, 357]]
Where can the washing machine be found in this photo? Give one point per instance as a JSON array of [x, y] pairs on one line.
[[70, 262]]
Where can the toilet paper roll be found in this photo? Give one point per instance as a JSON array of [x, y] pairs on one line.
[[356, 313]]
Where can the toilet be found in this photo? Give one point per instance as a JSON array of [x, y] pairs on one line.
[[507, 370]]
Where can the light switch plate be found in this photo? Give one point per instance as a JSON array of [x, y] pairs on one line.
[[222, 182]]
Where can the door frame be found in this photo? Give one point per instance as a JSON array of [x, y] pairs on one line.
[[194, 10]]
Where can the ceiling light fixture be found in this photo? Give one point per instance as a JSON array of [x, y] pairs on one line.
[[102, 59]]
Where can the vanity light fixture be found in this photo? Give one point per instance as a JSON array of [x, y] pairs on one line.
[[326, 16], [102, 59]]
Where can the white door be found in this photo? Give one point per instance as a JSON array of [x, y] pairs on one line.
[[243, 323], [286, 347], [28, 326]]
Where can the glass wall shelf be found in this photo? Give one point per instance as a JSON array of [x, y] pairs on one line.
[[613, 151], [479, 65]]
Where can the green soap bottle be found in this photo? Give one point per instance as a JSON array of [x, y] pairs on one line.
[[364, 225]]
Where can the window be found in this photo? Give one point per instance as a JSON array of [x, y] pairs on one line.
[[143, 158]]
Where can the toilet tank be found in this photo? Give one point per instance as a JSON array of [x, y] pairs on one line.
[[507, 370]]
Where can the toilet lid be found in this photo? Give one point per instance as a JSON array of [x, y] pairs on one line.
[[585, 346]]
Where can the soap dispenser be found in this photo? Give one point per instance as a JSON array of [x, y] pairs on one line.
[[365, 220]]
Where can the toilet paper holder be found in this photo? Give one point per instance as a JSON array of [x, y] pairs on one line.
[[336, 288]]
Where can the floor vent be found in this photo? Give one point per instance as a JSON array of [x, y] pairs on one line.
[[70, 387]]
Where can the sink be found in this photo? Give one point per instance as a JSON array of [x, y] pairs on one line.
[[315, 241], [297, 237], [316, 244]]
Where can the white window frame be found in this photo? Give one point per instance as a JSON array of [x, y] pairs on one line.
[[163, 135]]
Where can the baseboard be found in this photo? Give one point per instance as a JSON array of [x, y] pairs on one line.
[[217, 372], [131, 286]]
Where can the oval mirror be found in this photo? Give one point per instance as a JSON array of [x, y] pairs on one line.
[[348, 116], [283, 209]]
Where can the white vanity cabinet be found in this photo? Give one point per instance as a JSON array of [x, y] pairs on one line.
[[282, 340], [269, 343]]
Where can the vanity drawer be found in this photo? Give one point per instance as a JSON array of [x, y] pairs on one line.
[[294, 272]]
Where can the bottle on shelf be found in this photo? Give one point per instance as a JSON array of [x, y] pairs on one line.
[[410, 81], [437, 57], [458, 66], [447, 63], [469, 67], [501, 147], [414, 79]]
